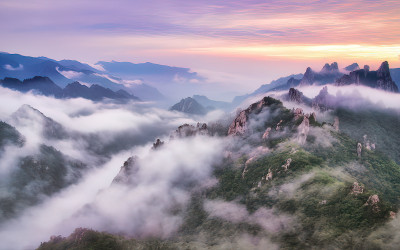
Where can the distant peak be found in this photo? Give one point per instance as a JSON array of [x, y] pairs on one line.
[[330, 68], [352, 67]]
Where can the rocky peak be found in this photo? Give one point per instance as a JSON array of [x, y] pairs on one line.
[[295, 95], [157, 144], [187, 130], [352, 67], [383, 70], [129, 169], [385, 81], [308, 78], [332, 68], [323, 101], [190, 106], [379, 79], [239, 125]]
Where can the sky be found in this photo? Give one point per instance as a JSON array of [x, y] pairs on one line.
[[245, 43]]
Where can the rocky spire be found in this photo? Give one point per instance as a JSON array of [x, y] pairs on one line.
[[385, 81]]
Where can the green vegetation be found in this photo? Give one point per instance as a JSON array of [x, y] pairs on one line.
[[312, 185]]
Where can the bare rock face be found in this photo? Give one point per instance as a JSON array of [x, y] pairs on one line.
[[157, 144], [373, 201], [266, 133], [287, 164], [336, 123], [357, 189], [303, 130], [187, 130], [240, 124], [295, 95], [359, 148], [129, 169]]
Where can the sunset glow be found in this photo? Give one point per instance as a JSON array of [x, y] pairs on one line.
[[197, 34]]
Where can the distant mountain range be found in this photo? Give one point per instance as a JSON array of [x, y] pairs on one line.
[[142, 79], [45, 86], [384, 78]]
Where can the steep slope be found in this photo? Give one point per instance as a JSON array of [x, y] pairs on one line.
[[285, 180]]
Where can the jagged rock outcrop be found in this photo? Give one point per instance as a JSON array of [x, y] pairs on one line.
[[127, 171], [266, 133], [157, 144], [190, 106], [240, 124], [187, 130], [357, 189], [295, 95], [373, 201], [303, 130], [359, 148], [336, 123], [379, 79], [287, 164], [298, 113], [367, 143]]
